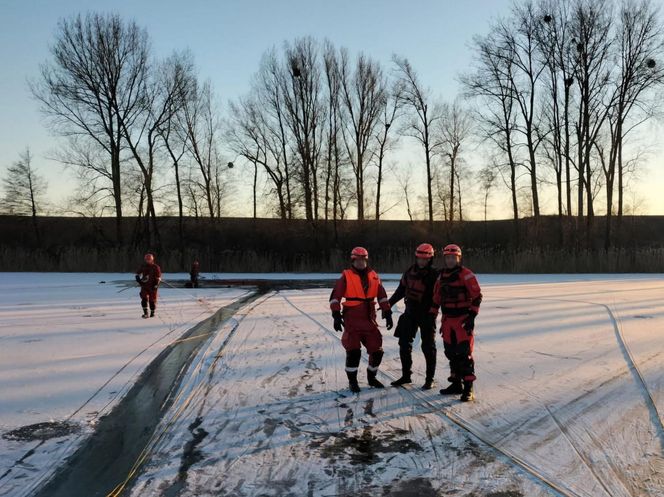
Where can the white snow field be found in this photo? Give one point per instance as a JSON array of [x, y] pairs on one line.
[[570, 393], [70, 348]]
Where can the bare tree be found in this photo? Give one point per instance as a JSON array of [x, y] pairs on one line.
[[591, 22], [300, 86], [364, 95], [424, 114], [640, 70], [558, 54], [160, 98], [487, 179], [251, 137], [455, 130], [202, 131], [490, 83], [24, 190], [519, 38], [334, 132], [385, 135], [91, 85]]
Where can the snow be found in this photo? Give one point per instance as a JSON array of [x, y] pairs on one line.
[[72, 344], [570, 391]]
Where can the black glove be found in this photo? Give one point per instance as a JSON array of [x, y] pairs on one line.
[[138, 279], [469, 323], [338, 321], [387, 316], [155, 288]]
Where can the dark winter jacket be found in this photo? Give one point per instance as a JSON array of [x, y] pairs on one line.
[[416, 288]]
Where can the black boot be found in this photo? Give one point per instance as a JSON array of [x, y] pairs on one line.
[[428, 384], [454, 388], [372, 380], [404, 380], [152, 313], [352, 381], [145, 312], [468, 393]]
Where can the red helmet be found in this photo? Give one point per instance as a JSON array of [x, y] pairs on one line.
[[359, 253], [452, 249], [424, 251], [149, 258]]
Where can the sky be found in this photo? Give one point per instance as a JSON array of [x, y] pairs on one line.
[[228, 39]]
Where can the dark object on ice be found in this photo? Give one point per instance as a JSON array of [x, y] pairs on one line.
[[404, 380], [468, 393], [352, 381], [372, 380], [547, 18], [42, 431], [453, 388], [428, 384], [194, 275], [651, 63]]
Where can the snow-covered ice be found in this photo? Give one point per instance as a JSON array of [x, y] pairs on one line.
[[71, 345], [570, 394]]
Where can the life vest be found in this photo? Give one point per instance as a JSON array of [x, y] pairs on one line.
[[453, 292], [355, 294], [419, 284]]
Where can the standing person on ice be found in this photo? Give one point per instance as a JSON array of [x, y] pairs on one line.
[[194, 274], [457, 293], [149, 277], [416, 288], [360, 286]]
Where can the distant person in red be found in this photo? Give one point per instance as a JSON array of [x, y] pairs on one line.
[[149, 277], [458, 295], [359, 287], [193, 274]]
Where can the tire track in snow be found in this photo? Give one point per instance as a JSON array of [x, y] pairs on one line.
[[515, 461], [632, 367], [655, 416]]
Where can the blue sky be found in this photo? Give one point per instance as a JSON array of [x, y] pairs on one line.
[[228, 38]]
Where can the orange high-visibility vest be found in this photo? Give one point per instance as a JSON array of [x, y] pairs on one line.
[[355, 295]]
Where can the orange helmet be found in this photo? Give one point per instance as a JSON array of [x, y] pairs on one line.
[[424, 251], [359, 253], [149, 258], [452, 249]]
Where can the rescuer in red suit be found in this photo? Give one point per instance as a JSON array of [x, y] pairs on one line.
[[149, 277], [458, 295], [357, 291]]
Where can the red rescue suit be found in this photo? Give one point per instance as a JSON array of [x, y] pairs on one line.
[[458, 295], [359, 291], [149, 277]]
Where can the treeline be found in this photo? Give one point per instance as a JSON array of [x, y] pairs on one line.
[[274, 245], [556, 94]]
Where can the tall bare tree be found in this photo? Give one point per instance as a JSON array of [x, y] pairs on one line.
[[640, 71], [160, 100], [364, 96], [202, 131], [304, 111], [490, 83], [424, 112], [386, 136], [455, 130], [591, 23], [90, 85], [251, 137]]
